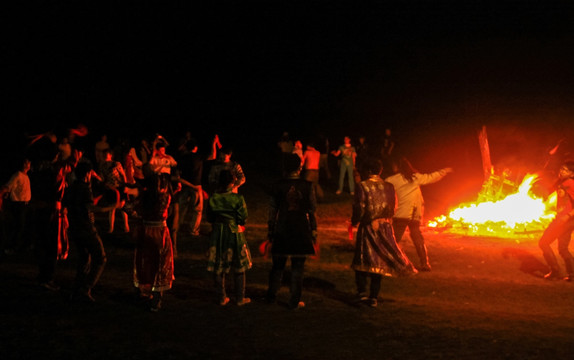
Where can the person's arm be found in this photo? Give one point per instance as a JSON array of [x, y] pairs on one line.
[[136, 159], [172, 162], [187, 183], [215, 145], [424, 179], [121, 171], [239, 175], [242, 212]]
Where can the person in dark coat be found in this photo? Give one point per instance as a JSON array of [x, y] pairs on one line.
[[377, 253], [292, 230]]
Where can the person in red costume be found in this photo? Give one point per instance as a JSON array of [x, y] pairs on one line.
[[562, 226]]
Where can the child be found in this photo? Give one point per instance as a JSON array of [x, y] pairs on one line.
[[228, 249]]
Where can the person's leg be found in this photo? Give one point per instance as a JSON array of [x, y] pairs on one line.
[[399, 227], [563, 244], [341, 178], [46, 245], [20, 223], [195, 210], [240, 289], [82, 264], [115, 196], [156, 299], [419, 243], [275, 276], [111, 220], [297, 270], [173, 221], [125, 220], [361, 283], [219, 280], [97, 262], [376, 280], [548, 237], [183, 198], [351, 178]]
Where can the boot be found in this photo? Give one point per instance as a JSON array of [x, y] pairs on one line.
[[555, 272], [156, 301], [423, 256], [569, 263]]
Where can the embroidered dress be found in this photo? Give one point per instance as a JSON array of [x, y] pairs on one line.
[[153, 264], [228, 248], [376, 250]]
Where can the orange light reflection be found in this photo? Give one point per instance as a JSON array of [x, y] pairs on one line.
[[519, 214]]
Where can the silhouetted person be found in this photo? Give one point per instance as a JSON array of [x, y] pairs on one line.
[[153, 256], [228, 249], [18, 193], [376, 250], [562, 226], [81, 205], [410, 209], [292, 230]]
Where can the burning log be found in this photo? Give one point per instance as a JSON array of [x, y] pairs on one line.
[[504, 208]]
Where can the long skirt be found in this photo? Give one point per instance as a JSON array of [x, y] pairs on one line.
[[153, 260], [376, 251]]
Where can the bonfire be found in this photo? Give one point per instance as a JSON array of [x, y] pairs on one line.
[[503, 208]]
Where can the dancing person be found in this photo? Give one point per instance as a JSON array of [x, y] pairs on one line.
[[377, 253], [228, 250], [80, 205], [224, 162], [18, 193], [190, 172], [292, 229], [99, 148], [163, 163], [153, 256], [347, 165], [410, 209], [562, 226], [311, 160], [160, 161], [114, 178], [48, 182]]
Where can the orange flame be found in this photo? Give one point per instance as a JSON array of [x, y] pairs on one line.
[[519, 214]]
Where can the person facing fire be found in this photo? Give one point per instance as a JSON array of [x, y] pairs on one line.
[[377, 253], [562, 226], [292, 227], [410, 208]]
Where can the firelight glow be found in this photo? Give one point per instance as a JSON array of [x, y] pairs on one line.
[[520, 214]]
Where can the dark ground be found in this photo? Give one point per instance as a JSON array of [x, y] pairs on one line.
[[484, 299]]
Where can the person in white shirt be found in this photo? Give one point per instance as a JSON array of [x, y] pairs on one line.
[[18, 193], [410, 208]]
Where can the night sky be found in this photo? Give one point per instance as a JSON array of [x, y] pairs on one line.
[[432, 71]]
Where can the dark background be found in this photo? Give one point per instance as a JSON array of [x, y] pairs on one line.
[[434, 72]]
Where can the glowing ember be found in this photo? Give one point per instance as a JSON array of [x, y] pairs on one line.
[[519, 214]]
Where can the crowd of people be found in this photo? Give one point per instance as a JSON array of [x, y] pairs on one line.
[[58, 189], [61, 184]]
